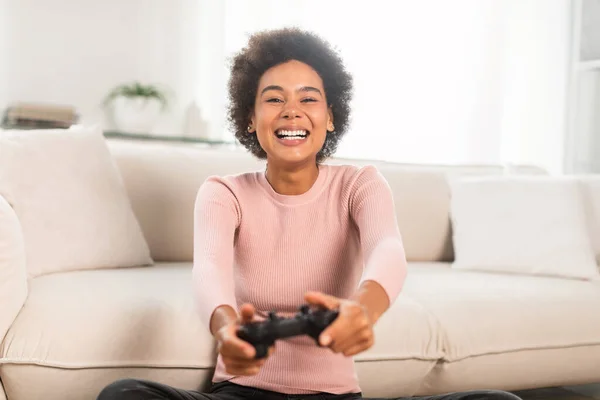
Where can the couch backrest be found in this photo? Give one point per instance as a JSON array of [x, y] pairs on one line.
[[162, 181]]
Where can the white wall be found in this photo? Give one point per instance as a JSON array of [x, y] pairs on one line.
[[73, 52]]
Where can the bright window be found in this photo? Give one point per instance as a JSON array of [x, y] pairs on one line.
[[436, 81]]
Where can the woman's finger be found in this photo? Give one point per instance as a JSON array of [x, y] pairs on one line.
[[237, 348], [357, 329], [348, 341], [322, 299], [358, 348], [350, 322], [343, 336]]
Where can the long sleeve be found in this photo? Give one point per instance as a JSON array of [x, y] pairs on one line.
[[372, 209], [216, 218]]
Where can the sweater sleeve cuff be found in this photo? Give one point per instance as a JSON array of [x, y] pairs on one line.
[[387, 267]]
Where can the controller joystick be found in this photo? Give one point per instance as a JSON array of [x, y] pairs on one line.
[[263, 334]]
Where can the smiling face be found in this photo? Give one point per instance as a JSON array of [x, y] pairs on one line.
[[291, 117]]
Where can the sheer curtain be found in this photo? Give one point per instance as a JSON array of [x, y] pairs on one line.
[[466, 81]]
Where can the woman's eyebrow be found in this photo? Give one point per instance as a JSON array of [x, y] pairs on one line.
[[310, 89], [302, 89], [271, 87]]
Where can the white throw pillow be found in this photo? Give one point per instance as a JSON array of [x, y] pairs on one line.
[[70, 200], [532, 225]]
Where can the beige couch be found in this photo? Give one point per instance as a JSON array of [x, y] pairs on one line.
[[66, 335]]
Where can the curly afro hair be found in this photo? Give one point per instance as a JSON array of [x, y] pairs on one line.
[[267, 49]]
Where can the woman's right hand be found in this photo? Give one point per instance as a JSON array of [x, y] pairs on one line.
[[237, 354]]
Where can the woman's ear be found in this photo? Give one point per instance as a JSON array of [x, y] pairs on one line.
[[330, 126], [251, 125]]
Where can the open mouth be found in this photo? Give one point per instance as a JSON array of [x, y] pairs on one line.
[[291, 135]]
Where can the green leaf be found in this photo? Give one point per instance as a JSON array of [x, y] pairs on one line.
[[137, 89]]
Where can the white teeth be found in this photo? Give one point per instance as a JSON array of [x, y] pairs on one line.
[[300, 133]]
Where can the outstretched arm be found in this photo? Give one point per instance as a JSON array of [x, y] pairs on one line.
[[372, 209], [216, 217]]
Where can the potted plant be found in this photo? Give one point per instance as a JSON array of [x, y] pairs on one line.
[[136, 107]]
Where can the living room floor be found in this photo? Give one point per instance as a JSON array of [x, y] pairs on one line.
[[582, 392]]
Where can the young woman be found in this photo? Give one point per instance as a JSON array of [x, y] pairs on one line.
[[299, 232]]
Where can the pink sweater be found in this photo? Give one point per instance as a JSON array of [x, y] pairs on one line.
[[254, 245]]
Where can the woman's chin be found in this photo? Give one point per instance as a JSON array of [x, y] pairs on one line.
[[292, 157]]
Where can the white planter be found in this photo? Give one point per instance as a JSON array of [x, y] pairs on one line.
[[136, 114]]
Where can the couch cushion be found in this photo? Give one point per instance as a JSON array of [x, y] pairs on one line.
[[108, 318], [162, 182], [70, 200], [483, 313], [422, 198], [409, 320], [407, 347], [145, 317], [13, 277], [163, 179], [522, 225], [506, 331], [518, 370]]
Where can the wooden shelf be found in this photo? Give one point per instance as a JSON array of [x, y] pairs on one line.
[[135, 136], [141, 136]]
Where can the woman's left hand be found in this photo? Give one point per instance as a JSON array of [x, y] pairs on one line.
[[351, 332]]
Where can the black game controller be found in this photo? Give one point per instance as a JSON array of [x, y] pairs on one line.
[[263, 334]]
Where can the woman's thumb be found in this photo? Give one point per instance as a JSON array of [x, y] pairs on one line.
[[247, 312], [321, 299]]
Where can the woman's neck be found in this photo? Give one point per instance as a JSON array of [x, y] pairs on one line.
[[292, 181]]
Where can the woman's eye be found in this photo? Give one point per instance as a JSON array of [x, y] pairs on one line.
[[274, 100], [308, 100]]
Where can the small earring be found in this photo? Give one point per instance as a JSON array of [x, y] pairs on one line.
[[249, 128], [331, 127]]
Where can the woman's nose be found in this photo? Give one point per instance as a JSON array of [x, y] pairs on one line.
[[290, 112]]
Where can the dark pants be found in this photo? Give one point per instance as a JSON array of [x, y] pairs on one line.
[[135, 389]]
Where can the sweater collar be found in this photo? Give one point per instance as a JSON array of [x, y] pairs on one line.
[[305, 197]]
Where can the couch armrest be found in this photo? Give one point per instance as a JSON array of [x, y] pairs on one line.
[[13, 273]]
